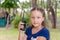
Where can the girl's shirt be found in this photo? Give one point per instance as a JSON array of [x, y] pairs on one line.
[[43, 32]]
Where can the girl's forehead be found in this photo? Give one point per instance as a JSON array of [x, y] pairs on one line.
[[36, 12]]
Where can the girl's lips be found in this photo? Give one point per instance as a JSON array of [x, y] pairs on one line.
[[35, 23]]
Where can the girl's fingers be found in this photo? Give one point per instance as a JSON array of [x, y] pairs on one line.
[[21, 25]]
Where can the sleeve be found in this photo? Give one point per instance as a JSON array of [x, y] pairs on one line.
[[46, 34], [27, 31]]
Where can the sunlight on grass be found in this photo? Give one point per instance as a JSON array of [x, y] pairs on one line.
[[58, 12], [55, 34], [10, 34]]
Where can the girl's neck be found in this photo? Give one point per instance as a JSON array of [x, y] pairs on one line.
[[38, 28]]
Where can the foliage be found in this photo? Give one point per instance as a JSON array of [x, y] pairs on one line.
[[25, 4], [9, 4], [43, 4], [15, 22], [17, 19]]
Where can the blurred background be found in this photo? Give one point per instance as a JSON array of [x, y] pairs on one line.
[[12, 12]]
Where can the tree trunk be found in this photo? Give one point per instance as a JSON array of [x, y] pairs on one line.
[[53, 17], [53, 14], [34, 3]]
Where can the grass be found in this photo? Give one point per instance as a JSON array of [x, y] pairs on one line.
[[58, 12], [55, 34], [9, 34], [12, 34]]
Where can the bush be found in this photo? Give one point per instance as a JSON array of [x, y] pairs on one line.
[[17, 19]]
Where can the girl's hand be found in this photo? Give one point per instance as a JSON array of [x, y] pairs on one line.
[[21, 26]]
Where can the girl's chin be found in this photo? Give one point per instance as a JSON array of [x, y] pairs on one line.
[[35, 25]]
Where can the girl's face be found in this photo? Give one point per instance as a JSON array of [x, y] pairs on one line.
[[36, 18]]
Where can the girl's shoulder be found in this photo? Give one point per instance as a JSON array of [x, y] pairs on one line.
[[45, 29], [45, 33], [29, 28]]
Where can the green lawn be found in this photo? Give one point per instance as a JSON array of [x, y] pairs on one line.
[[55, 34], [12, 34], [58, 12]]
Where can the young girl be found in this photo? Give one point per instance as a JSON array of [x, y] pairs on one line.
[[37, 30]]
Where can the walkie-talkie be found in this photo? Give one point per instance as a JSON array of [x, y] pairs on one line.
[[23, 20], [23, 25]]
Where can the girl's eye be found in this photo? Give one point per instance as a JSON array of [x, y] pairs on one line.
[[32, 17], [38, 17]]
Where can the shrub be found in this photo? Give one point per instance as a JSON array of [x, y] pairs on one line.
[[17, 19]]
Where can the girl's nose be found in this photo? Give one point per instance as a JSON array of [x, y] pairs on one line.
[[35, 20]]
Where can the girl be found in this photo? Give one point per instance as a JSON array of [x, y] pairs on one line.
[[37, 30]]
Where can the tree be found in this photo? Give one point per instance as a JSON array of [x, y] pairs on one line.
[[52, 16], [0, 3], [34, 3], [8, 4]]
